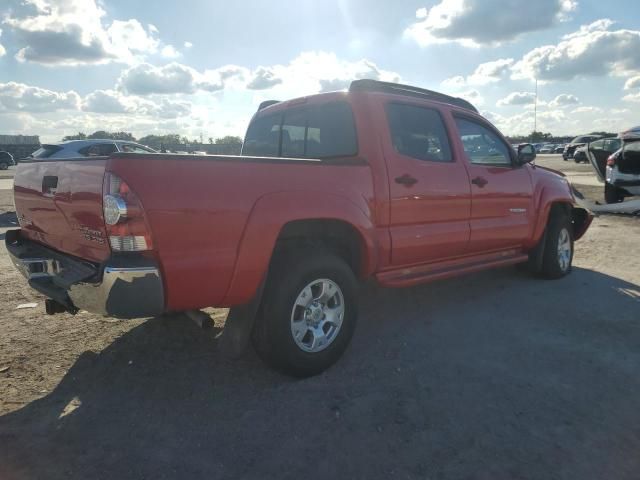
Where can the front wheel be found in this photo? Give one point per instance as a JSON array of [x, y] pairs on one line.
[[4, 165], [309, 312], [558, 248]]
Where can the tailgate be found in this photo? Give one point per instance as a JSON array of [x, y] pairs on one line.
[[59, 204]]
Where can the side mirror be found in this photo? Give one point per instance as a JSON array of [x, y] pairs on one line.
[[526, 153]]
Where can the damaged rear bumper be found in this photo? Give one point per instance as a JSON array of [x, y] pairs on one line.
[[124, 287]]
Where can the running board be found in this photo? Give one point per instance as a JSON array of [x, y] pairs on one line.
[[405, 277]]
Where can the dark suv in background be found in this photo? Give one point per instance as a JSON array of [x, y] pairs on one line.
[[6, 160], [570, 148]]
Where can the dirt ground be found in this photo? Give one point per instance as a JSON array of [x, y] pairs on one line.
[[497, 375]]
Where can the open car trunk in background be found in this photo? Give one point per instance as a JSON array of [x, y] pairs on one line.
[[629, 161], [59, 204]]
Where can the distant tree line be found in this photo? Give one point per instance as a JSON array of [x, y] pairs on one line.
[[541, 137], [153, 140]]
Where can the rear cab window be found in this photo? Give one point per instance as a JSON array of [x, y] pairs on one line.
[[314, 131]]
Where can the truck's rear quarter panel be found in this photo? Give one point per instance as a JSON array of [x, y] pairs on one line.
[[198, 208]]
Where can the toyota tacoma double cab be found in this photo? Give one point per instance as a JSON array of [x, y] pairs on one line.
[[387, 182]]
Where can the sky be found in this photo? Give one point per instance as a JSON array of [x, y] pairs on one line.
[[201, 67]]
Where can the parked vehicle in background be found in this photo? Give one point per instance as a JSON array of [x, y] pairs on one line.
[[88, 148], [547, 148], [570, 148], [580, 154], [559, 148], [620, 170], [386, 182], [6, 160], [538, 146]]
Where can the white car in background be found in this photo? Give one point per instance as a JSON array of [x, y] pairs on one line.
[[621, 171], [88, 148]]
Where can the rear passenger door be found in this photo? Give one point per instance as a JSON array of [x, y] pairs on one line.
[[429, 189], [501, 190]]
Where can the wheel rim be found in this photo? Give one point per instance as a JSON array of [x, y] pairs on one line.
[[317, 315], [564, 249]]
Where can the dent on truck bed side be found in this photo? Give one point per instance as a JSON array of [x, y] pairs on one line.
[[267, 219]]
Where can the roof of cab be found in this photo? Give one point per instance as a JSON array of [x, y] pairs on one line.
[[376, 86]]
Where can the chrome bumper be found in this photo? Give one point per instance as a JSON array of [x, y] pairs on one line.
[[125, 287]]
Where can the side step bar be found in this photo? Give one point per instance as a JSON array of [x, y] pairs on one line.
[[404, 277]]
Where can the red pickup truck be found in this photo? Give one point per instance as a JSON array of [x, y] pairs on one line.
[[386, 182]]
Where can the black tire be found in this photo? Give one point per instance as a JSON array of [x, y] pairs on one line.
[[612, 194], [289, 275], [552, 265], [4, 165]]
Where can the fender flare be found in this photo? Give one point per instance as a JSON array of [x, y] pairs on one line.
[[544, 202], [271, 213]]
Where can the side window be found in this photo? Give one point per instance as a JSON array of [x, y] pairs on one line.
[[130, 148], [612, 145], [98, 150], [597, 145], [481, 144], [418, 132], [263, 137]]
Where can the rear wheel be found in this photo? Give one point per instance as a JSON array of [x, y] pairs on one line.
[[612, 194], [558, 248], [309, 312]]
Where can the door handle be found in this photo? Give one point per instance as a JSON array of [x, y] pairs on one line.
[[406, 180], [480, 181]]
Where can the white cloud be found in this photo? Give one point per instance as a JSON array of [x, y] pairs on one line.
[[188, 44], [146, 79], [318, 71], [587, 109], [563, 100], [472, 96], [594, 50], [114, 102], [632, 97], [517, 98], [72, 32], [488, 72], [18, 97], [632, 83], [169, 51], [2, 49], [485, 22], [105, 101], [263, 78]]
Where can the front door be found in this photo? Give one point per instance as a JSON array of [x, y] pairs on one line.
[[501, 191], [429, 187]]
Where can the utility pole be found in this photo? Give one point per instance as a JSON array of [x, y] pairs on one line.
[[535, 109]]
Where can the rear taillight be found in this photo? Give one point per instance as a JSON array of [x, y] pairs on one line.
[[124, 219], [611, 161]]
